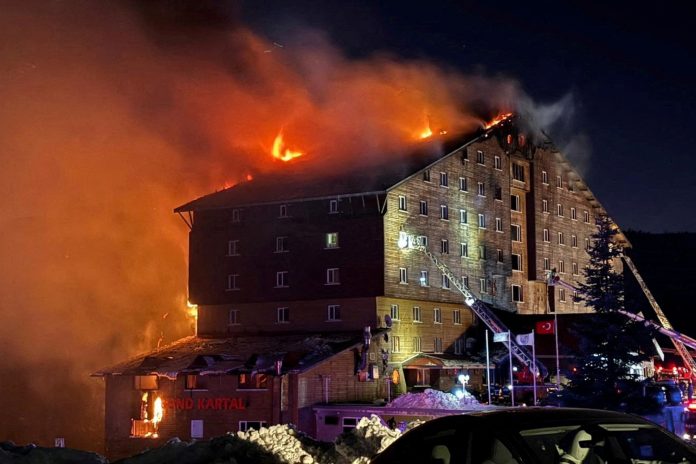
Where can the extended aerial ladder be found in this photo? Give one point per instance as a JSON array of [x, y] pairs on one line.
[[477, 306], [679, 340]]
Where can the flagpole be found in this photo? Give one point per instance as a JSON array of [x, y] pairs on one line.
[[512, 380], [534, 367], [558, 364], [488, 370]]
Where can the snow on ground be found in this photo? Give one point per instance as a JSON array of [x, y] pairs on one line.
[[434, 399]]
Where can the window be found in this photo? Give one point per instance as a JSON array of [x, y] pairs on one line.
[[482, 221], [331, 240], [483, 285], [402, 203], [573, 214], [416, 344], [482, 252], [463, 184], [195, 382], [562, 295], [545, 206], [559, 182], [334, 312], [587, 244], [544, 177], [232, 282], [444, 181], [233, 248], [417, 316], [561, 238], [423, 280], [403, 275], [463, 216], [196, 428], [464, 250], [248, 381], [547, 264], [498, 224], [283, 315], [516, 232], [281, 244], [437, 315], [517, 294], [574, 241], [586, 216], [561, 266], [575, 268], [423, 207], [576, 297], [395, 344], [426, 175], [256, 425], [547, 236], [145, 382], [444, 247], [333, 276], [465, 281], [497, 164], [498, 193], [457, 316], [445, 282], [236, 215], [283, 211], [459, 346], [515, 202], [437, 345], [282, 279], [465, 156], [500, 255], [233, 317], [517, 172], [444, 212], [394, 312], [480, 157], [333, 206], [422, 240], [481, 189], [349, 423], [559, 210], [516, 262]]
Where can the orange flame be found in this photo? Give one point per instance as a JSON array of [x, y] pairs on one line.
[[157, 415], [497, 120], [281, 152], [426, 133]]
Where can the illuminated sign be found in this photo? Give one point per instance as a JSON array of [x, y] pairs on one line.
[[217, 404]]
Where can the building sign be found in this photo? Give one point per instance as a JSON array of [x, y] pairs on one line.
[[217, 404]]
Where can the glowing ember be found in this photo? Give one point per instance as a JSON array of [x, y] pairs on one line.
[[281, 152], [426, 133], [192, 310], [497, 120]]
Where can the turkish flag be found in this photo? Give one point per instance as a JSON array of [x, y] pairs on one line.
[[544, 327]]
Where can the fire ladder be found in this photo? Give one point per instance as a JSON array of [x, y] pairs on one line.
[[480, 309]]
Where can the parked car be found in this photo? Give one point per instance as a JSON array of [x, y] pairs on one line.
[[538, 435], [690, 421]]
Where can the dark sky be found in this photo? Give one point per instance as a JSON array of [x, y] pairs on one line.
[[628, 70]]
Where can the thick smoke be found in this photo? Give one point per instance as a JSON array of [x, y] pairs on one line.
[[111, 116]]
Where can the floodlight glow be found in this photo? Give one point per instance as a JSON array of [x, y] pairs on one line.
[[459, 394], [403, 240], [462, 378]]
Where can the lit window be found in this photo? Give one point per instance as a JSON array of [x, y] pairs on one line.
[[544, 206], [480, 157], [437, 316], [515, 202], [464, 250], [402, 203], [145, 382], [547, 236], [516, 232], [444, 181], [283, 211], [516, 262], [518, 172], [544, 177], [463, 216], [444, 246], [403, 275], [394, 312], [423, 207], [445, 282], [517, 293], [334, 312], [457, 316], [416, 344], [233, 317], [333, 276], [463, 184], [281, 244], [282, 279], [195, 382], [331, 240], [498, 224], [444, 212], [481, 189], [333, 206], [497, 164], [232, 282], [482, 221], [417, 314], [248, 381], [573, 214], [283, 315], [424, 279], [233, 248]]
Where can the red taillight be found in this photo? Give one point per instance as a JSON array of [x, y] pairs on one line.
[[691, 406]]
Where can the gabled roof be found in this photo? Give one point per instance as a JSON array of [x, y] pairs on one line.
[[205, 356]]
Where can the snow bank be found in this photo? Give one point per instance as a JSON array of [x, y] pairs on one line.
[[434, 399]]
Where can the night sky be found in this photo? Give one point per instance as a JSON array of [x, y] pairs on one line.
[[626, 71]]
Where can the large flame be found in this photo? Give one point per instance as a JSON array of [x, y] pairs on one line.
[[281, 152], [497, 120], [158, 412]]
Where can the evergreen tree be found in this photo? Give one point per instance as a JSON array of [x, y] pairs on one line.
[[609, 342]]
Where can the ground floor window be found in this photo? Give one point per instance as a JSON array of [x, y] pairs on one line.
[[256, 425], [149, 416], [197, 428], [349, 423]]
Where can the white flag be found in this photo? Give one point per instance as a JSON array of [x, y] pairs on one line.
[[525, 339], [501, 337]]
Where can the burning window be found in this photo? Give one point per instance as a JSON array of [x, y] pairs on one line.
[[248, 381], [150, 414], [195, 382]]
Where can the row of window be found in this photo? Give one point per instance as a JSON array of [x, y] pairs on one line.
[[333, 313], [284, 211], [417, 314], [517, 169], [560, 211], [561, 266], [546, 236], [282, 244], [559, 181], [417, 345], [333, 277]]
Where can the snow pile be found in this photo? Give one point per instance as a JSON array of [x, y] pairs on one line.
[[285, 443], [434, 399], [369, 438]]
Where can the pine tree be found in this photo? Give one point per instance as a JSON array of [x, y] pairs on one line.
[[609, 342]]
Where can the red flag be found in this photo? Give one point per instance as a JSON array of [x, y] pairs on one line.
[[544, 327]]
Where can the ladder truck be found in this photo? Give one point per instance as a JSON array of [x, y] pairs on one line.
[[477, 306], [679, 340]]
